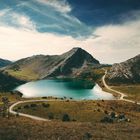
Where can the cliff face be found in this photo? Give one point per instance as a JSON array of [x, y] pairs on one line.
[[41, 66], [125, 72]]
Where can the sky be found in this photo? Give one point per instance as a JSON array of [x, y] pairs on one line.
[[107, 29]]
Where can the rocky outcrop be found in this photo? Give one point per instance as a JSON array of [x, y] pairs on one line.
[[125, 72], [74, 59]]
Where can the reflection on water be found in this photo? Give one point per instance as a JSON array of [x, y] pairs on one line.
[[60, 88]]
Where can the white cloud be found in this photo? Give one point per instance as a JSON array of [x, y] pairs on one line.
[[3, 12], [23, 21], [61, 6], [115, 42], [118, 42], [11, 18]]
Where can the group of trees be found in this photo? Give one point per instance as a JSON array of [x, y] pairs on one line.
[[4, 111]]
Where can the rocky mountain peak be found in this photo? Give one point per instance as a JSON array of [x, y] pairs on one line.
[[125, 72]]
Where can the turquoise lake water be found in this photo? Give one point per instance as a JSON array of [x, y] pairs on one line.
[[58, 88]]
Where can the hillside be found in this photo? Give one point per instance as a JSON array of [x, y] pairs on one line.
[[46, 66], [125, 72], [8, 82], [4, 62]]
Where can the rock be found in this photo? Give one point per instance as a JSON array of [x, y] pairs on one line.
[[125, 72], [87, 136], [112, 115], [107, 119]]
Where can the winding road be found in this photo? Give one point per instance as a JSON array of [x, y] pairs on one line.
[[122, 95], [26, 115], [11, 108]]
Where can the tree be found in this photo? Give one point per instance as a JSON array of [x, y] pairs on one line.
[[5, 111], [66, 118]]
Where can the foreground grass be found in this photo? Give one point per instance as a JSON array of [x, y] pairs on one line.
[[88, 122], [132, 91], [11, 97], [81, 111]]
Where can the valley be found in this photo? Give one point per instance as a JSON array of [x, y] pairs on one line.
[[84, 119]]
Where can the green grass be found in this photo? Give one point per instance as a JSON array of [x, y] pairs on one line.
[[11, 97], [24, 74], [81, 111], [132, 91], [87, 121]]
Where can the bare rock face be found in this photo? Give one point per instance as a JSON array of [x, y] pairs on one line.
[[125, 72], [74, 59]]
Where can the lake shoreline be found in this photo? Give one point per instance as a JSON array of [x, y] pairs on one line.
[[67, 91]]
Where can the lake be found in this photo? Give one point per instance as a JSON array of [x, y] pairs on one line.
[[78, 90]]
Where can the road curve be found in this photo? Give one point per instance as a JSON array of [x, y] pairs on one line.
[[122, 95], [26, 115]]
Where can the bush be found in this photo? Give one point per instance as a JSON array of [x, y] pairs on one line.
[[19, 108], [112, 114], [45, 105], [50, 116], [33, 105], [87, 136], [107, 119], [121, 116], [44, 97], [66, 118], [26, 106], [106, 112]]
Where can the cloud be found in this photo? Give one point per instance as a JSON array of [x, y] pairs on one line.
[[37, 32], [3, 12], [61, 6], [23, 21], [46, 16], [115, 43], [10, 18]]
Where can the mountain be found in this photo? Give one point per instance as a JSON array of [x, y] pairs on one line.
[[125, 72], [46, 66], [4, 62]]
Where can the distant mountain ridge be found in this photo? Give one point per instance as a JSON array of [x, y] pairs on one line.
[[4, 62], [45, 66], [125, 72]]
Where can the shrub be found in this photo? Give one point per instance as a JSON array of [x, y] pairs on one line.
[[87, 136], [44, 97], [50, 116], [106, 112], [26, 106], [66, 118], [107, 119], [121, 116], [33, 105], [45, 105], [19, 108], [112, 114]]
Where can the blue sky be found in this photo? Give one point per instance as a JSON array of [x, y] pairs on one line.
[[30, 27]]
